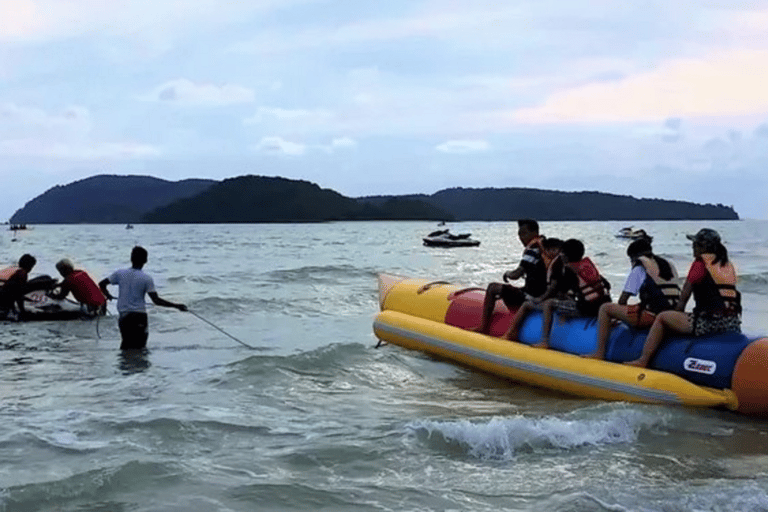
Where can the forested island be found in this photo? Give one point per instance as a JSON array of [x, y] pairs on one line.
[[108, 199]]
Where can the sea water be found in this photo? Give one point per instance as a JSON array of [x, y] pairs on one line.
[[312, 416]]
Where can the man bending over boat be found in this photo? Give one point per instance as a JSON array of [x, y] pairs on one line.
[[531, 267], [586, 288], [712, 282], [133, 283], [13, 286], [83, 288]]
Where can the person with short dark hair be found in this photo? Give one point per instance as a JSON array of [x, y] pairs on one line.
[[653, 280], [13, 286], [712, 282], [553, 261], [83, 288], [587, 289], [531, 267], [133, 284]]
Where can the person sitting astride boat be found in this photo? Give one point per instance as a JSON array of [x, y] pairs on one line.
[[83, 288], [554, 263], [712, 281], [587, 289], [531, 267], [653, 279], [13, 286]]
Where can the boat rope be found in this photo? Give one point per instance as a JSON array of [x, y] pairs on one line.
[[222, 330], [453, 295], [430, 285]]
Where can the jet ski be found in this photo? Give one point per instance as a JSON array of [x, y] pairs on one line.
[[444, 238]]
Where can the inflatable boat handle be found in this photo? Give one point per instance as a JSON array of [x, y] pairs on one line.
[[430, 285], [465, 290]]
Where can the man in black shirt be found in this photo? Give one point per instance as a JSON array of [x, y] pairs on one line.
[[531, 267]]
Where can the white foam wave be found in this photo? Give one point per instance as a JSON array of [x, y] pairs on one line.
[[501, 438]]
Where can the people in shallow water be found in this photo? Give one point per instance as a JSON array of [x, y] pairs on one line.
[[531, 267], [133, 284], [551, 248], [712, 282], [83, 288], [13, 286], [587, 289], [653, 280]]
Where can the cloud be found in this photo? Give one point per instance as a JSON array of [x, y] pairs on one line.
[[463, 146], [185, 92], [731, 83], [278, 145], [289, 116], [67, 135]]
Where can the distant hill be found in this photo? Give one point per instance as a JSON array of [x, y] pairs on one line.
[[492, 204], [131, 199], [106, 199], [273, 199]]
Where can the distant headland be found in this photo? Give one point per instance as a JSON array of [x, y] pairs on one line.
[[108, 199]]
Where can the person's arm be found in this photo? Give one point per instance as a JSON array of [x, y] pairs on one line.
[[624, 298], [685, 294], [513, 275], [63, 291], [162, 302], [103, 287]]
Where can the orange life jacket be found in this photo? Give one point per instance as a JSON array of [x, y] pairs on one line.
[[717, 293], [592, 286]]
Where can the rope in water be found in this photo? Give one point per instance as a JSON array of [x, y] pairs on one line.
[[222, 330]]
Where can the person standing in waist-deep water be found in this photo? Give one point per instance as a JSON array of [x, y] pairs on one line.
[[133, 284], [531, 267]]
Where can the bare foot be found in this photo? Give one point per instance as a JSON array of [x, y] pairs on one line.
[[541, 344], [637, 362], [511, 336], [478, 329], [593, 355]]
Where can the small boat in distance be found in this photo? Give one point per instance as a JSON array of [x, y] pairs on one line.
[[129, 226], [444, 238], [630, 233]]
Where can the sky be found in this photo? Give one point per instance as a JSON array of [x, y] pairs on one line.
[[648, 98]]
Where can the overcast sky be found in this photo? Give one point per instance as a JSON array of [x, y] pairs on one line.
[[649, 98]]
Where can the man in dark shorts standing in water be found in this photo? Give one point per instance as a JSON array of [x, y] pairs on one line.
[[133, 283], [531, 267]]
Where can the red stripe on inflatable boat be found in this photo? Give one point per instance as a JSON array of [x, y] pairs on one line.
[[466, 309]]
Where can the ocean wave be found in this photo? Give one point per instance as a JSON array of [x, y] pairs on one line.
[[330, 274], [754, 283], [502, 438], [322, 361], [82, 490]]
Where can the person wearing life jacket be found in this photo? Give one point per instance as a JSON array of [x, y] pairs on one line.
[[553, 261], [83, 288], [531, 267], [586, 290], [712, 282], [14, 286], [653, 279]]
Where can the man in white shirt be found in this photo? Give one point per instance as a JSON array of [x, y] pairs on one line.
[[133, 284]]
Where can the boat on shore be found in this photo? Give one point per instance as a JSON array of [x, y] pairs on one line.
[[444, 238], [728, 370]]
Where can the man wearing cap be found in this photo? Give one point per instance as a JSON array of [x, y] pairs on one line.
[[712, 282], [83, 288]]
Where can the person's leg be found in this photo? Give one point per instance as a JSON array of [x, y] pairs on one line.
[[492, 294], [134, 330], [673, 320], [546, 323], [605, 316], [513, 333]]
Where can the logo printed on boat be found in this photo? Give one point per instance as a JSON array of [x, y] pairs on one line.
[[700, 365]]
